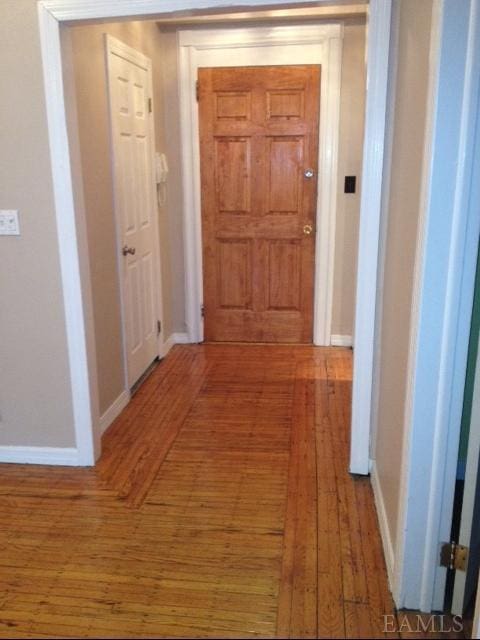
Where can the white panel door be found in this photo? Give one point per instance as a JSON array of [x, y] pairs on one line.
[[134, 203]]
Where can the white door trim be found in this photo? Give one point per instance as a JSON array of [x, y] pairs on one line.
[[319, 44], [73, 259], [444, 286], [116, 47], [378, 56]]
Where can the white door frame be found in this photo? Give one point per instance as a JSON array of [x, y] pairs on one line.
[[378, 40], [116, 47], [72, 252], [305, 44], [443, 293]]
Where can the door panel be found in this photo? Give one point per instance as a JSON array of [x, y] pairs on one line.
[[233, 177], [258, 135], [133, 181], [234, 274], [284, 275], [284, 181]]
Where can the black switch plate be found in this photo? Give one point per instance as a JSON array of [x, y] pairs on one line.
[[350, 184]]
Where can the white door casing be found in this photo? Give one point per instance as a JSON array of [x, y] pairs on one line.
[[72, 252], [130, 99], [280, 45]]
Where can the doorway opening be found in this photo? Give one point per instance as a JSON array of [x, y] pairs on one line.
[[338, 51]]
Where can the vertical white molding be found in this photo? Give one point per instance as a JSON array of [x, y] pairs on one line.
[[370, 207], [444, 285], [327, 193], [68, 240], [383, 226], [459, 291], [193, 46], [402, 546], [191, 231]]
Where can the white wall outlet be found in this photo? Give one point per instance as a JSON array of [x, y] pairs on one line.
[[9, 222]]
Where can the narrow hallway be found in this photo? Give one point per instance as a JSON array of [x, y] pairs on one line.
[[221, 507]]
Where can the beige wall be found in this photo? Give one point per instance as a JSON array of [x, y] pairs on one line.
[[403, 208], [88, 51], [352, 112], [174, 205], [35, 396]]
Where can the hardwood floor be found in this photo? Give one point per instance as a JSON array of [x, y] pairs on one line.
[[221, 507]]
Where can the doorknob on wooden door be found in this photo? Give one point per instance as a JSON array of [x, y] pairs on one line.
[[307, 229], [128, 250]]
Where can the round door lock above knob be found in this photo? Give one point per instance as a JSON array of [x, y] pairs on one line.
[[309, 173]]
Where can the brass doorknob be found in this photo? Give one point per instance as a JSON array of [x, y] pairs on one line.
[[307, 229], [128, 250]]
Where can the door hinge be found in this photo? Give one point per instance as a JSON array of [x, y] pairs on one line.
[[453, 556], [197, 90], [149, 105], [159, 327], [202, 311]]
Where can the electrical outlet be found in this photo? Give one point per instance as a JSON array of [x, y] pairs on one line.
[[9, 222]]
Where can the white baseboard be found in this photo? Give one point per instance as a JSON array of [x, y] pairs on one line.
[[40, 455], [181, 338], [174, 338], [383, 523], [114, 410], [337, 340]]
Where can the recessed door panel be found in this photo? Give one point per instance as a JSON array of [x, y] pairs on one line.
[[143, 191], [234, 269], [233, 105], [147, 295], [288, 104], [284, 274], [284, 182], [134, 296], [232, 170], [126, 170]]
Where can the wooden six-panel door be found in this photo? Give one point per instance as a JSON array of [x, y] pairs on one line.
[[259, 148]]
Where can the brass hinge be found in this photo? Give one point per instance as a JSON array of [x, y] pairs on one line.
[[453, 556], [197, 90], [202, 311], [149, 105], [159, 327]]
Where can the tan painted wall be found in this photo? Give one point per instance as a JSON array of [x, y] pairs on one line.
[[171, 123], [401, 239], [94, 129], [352, 112], [35, 397]]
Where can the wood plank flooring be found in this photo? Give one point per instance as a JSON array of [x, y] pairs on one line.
[[221, 507]]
